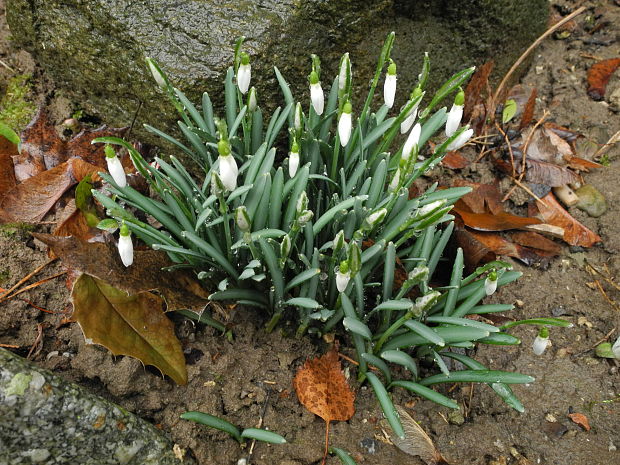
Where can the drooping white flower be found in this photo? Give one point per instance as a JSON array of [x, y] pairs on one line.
[[389, 86], [228, 166], [456, 113], [316, 94], [244, 73], [541, 341], [345, 70], [125, 246], [115, 167], [345, 124], [343, 276], [242, 219], [293, 160], [412, 141], [461, 140], [490, 283]]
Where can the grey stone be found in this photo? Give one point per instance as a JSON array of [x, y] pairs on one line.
[[591, 200], [95, 49], [44, 419]]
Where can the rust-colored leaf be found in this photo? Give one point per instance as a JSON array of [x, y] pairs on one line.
[[132, 325], [528, 110], [484, 198], [7, 174], [501, 221], [30, 201], [322, 388], [536, 241], [575, 233], [43, 149], [73, 223], [580, 419], [581, 164], [454, 161], [598, 77], [478, 83], [179, 288]]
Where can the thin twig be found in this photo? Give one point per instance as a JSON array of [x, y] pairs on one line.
[[607, 279], [6, 66], [26, 278], [260, 425], [606, 297], [525, 54], [31, 286]]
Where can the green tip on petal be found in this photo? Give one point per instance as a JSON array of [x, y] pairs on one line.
[[223, 148], [460, 98], [109, 151], [392, 68], [245, 58], [543, 332], [347, 108], [314, 77], [344, 267], [295, 147], [124, 230]]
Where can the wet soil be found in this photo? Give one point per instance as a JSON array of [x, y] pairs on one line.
[[251, 377]]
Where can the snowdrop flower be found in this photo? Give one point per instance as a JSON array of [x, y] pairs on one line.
[[228, 166], [344, 124], [242, 219], [461, 140], [389, 87], [394, 183], [316, 94], [412, 141], [244, 73], [293, 160], [343, 276], [456, 113], [490, 284], [252, 100], [431, 208], [616, 348], [541, 342], [299, 117], [125, 246], [305, 216], [157, 74], [345, 71], [376, 217], [115, 167], [411, 116]]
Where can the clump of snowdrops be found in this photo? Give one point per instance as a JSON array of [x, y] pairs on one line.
[[318, 232]]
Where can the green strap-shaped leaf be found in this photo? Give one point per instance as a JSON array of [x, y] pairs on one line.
[[213, 422]]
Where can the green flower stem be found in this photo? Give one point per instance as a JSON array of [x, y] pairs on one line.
[[224, 213], [247, 238], [334, 168], [388, 332], [275, 319]]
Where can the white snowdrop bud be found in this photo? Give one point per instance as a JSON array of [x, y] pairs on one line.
[[115, 167], [157, 73], [343, 276], [412, 141], [345, 124], [461, 140], [242, 219], [413, 112], [490, 283], [125, 246], [293, 160], [456, 113], [345, 70], [228, 166], [316, 94], [244, 73], [541, 342], [389, 87], [395, 181]]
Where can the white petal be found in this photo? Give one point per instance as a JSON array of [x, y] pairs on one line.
[[409, 120], [490, 286], [317, 97], [115, 168], [412, 140], [344, 128], [293, 163], [125, 250], [540, 344], [228, 172], [342, 281], [389, 90], [461, 140], [244, 74], [454, 119], [395, 181]]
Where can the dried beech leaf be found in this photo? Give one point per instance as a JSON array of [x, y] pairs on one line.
[[478, 83], [580, 419], [536, 241], [484, 198], [322, 388], [415, 442], [7, 174], [598, 77], [73, 223], [454, 161], [574, 232], [499, 222], [132, 325], [528, 110], [179, 288], [42, 148]]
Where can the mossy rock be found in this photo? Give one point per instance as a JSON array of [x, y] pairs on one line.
[[95, 49]]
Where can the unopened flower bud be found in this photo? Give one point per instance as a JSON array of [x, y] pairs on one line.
[[115, 167], [455, 115], [412, 141], [338, 242], [345, 71], [305, 217], [316, 94], [302, 203], [343, 276], [157, 73], [242, 219], [252, 100], [461, 140], [345, 124], [389, 87], [293, 160], [125, 246], [244, 73], [285, 246], [490, 283], [541, 341], [299, 117]]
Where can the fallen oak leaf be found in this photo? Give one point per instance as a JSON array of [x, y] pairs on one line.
[[179, 288], [322, 388], [134, 325], [599, 75], [575, 233]]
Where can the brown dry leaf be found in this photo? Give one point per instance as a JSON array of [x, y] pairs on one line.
[[580, 419], [30, 201], [132, 325], [528, 110], [454, 161], [484, 198], [536, 241], [574, 232], [478, 83], [42, 149], [598, 77], [581, 164], [494, 222], [7, 175], [179, 288], [416, 442], [322, 388], [73, 223]]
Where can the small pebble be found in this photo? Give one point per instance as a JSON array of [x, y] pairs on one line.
[[591, 201], [455, 417]]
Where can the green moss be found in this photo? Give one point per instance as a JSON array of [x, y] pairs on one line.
[[17, 231], [16, 109], [4, 275]]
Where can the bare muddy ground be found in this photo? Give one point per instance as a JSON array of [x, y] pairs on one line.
[[238, 380]]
